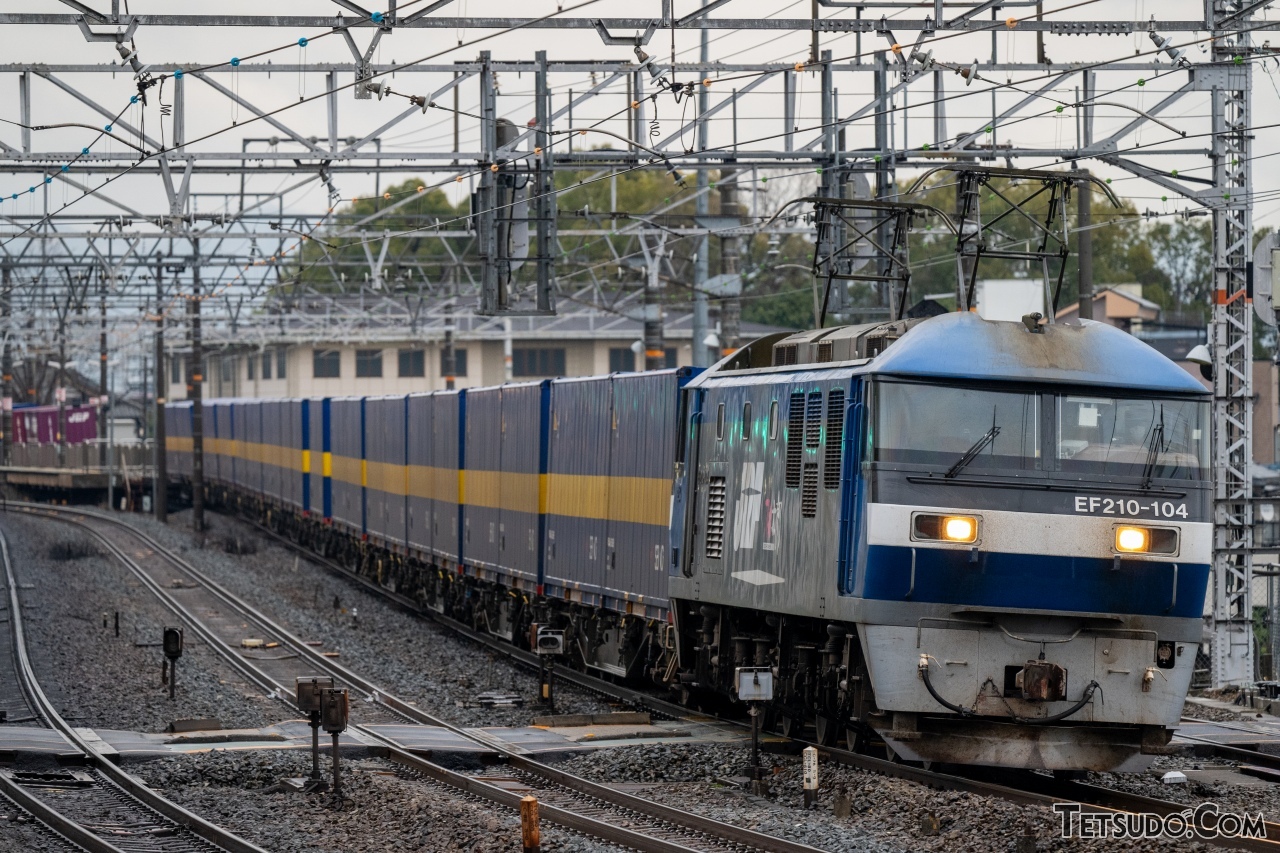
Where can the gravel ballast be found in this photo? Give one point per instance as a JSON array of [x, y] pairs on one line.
[[410, 657], [886, 814], [387, 811], [95, 678]]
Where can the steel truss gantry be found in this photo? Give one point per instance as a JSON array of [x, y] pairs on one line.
[[861, 133]]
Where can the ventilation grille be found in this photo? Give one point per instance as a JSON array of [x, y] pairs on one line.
[[785, 354], [813, 420], [809, 491], [795, 439], [824, 351], [877, 345], [835, 437], [715, 518]]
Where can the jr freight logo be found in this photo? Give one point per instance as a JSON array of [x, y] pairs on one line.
[[1204, 822]]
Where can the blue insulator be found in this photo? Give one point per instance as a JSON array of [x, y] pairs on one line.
[[48, 179], [377, 17], [84, 150], [235, 60], [133, 99], [66, 167], [107, 128], [302, 42], [177, 73]]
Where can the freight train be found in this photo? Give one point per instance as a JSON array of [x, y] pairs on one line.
[[970, 541]]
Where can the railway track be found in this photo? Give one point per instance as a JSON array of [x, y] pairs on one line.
[[97, 807], [1024, 788], [220, 618]]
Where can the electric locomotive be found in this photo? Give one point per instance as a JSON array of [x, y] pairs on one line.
[[981, 542]]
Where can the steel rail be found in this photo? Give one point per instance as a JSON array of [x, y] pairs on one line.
[[1091, 798], [59, 823], [114, 775], [679, 820]]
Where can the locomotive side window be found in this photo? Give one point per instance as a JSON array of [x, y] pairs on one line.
[[746, 419], [720, 423], [773, 420]]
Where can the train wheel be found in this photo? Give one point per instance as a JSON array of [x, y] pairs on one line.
[[827, 728], [790, 724]]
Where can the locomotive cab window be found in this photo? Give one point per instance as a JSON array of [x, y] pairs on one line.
[[1161, 439]]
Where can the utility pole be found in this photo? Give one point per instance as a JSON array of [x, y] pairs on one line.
[[160, 486], [448, 355], [1084, 246], [655, 355], [61, 392], [195, 393], [102, 374], [701, 355], [6, 362], [1231, 620], [730, 259]]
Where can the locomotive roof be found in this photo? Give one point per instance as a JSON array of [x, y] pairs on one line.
[[965, 346]]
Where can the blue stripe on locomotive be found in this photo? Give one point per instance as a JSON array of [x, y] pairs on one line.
[[1034, 581]]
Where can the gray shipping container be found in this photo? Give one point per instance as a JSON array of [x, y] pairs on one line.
[[346, 441], [386, 471]]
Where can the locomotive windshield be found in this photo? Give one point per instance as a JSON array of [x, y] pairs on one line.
[[970, 429], [936, 425]]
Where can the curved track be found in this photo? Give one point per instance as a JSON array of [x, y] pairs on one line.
[[218, 617], [1022, 787], [100, 808]]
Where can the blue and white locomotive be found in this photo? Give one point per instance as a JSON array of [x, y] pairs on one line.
[[983, 542]]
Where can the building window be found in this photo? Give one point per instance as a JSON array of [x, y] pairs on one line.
[[266, 365], [175, 369], [669, 357], [327, 363], [251, 367], [282, 360], [226, 369], [369, 363], [413, 364], [621, 360], [537, 362], [459, 363]]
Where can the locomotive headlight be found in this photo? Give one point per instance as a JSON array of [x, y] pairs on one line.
[[1133, 540], [959, 528]]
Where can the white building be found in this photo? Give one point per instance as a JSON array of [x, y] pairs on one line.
[[368, 346]]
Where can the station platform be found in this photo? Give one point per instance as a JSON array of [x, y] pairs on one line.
[[66, 479]]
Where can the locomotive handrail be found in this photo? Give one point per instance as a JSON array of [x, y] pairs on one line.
[[1040, 642]]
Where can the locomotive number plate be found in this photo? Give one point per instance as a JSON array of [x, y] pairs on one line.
[[1130, 507]]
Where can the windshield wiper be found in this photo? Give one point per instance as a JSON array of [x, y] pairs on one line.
[[1154, 449], [970, 454]]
